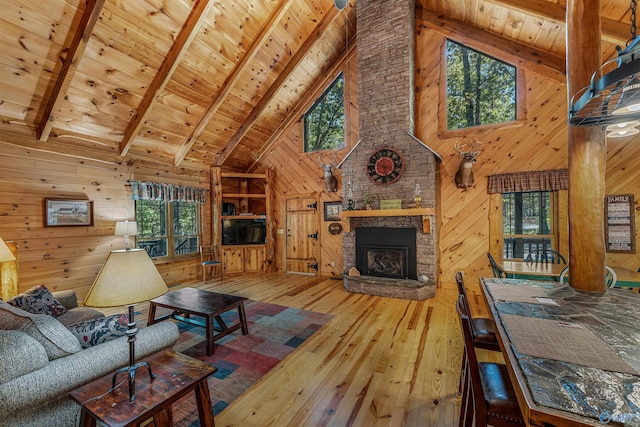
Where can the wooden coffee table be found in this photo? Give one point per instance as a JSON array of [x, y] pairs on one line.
[[187, 302], [176, 376]]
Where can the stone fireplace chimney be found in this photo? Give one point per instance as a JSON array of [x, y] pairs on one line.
[[386, 74]]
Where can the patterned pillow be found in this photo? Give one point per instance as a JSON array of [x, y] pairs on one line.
[[96, 331], [38, 300]]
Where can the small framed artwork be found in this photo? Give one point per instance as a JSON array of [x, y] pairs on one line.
[[332, 211], [68, 212]]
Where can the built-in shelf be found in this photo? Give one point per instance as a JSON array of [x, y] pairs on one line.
[[425, 213], [244, 216], [244, 196]]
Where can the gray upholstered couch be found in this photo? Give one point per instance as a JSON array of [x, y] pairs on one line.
[[40, 363]]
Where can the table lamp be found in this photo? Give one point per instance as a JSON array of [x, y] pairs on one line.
[[126, 229], [126, 278]]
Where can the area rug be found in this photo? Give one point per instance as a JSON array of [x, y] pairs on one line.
[[275, 332]]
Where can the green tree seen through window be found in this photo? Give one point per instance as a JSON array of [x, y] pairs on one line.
[[481, 90], [324, 121], [180, 238]]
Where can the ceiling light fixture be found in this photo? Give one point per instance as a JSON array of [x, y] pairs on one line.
[[340, 4], [613, 95]]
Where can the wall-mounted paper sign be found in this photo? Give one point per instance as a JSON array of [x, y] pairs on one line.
[[620, 226]]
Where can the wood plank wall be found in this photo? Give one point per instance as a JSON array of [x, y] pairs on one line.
[[539, 144], [299, 175], [70, 257]]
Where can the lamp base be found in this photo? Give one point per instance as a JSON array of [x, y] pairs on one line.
[[131, 370]]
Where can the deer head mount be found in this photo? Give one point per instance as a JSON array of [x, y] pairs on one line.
[[330, 181], [464, 176]]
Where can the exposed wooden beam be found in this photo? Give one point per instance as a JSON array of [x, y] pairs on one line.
[[243, 65], [537, 61], [612, 31], [304, 103], [276, 86], [170, 63], [75, 50]]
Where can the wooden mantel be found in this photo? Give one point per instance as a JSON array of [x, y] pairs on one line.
[[425, 213]]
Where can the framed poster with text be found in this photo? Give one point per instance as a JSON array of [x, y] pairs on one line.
[[620, 223]]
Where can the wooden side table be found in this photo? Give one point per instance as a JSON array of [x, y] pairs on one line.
[[176, 376]]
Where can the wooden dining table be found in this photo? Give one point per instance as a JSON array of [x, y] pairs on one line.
[[572, 356], [547, 271]]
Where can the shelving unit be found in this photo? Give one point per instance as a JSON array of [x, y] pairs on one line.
[[250, 195]]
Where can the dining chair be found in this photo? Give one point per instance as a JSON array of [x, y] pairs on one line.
[[482, 331], [208, 262], [611, 278], [545, 256], [488, 395], [497, 270]]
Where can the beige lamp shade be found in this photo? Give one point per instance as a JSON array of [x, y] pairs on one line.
[[127, 277], [5, 252], [126, 228]]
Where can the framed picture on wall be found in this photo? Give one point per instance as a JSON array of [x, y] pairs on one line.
[[68, 212], [620, 229], [332, 211]]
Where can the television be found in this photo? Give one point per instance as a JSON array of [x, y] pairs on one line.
[[250, 231]]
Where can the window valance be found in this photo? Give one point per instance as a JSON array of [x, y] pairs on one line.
[[549, 180], [141, 190]]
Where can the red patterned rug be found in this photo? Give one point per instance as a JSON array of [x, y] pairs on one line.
[[274, 332]]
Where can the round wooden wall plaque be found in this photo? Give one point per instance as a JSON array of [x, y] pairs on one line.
[[335, 228]]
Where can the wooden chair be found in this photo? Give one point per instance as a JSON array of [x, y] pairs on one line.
[[545, 256], [482, 331], [497, 271], [207, 261], [611, 278], [488, 395]]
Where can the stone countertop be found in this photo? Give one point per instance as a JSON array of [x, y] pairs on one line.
[[614, 317]]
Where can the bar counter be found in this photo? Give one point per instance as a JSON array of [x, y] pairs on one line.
[[573, 356]]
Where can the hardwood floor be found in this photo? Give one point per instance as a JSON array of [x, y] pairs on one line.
[[379, 361]]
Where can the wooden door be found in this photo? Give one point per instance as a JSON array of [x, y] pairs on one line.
[[302, 236]]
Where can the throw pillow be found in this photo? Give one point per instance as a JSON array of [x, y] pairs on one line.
[[96, 331], [51, 334], [38, 300]]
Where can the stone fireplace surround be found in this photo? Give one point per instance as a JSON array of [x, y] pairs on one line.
[[386, 68]]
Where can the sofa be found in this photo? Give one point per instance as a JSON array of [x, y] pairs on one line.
[[41, 360]]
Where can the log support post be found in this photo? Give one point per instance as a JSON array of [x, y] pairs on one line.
[[587, 154]]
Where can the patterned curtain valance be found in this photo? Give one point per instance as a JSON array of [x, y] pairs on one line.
[[166, 192], [549, 180]]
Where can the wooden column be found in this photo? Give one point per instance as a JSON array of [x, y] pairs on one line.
[[587, 154], [9, 274], [216, 214]]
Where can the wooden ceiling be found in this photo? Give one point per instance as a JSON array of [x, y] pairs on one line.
[[195, 83]]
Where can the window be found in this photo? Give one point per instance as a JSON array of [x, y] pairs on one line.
[[168, 229], [324, 121], [481, 90], [528, 222]]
